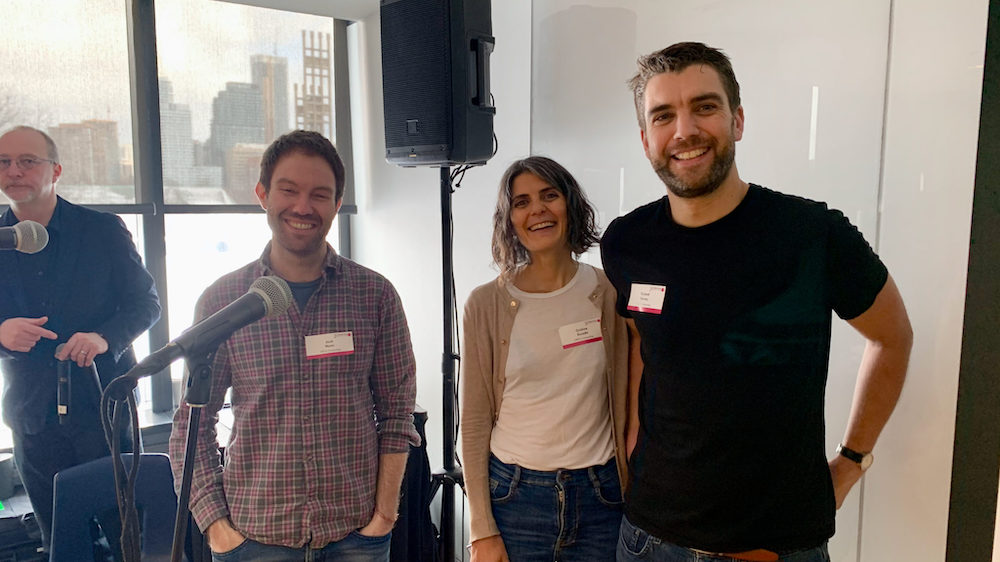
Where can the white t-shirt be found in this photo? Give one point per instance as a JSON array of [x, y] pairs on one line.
[[555, 401]]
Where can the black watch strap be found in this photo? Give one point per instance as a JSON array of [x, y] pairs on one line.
[[850, 453], [864, 460]]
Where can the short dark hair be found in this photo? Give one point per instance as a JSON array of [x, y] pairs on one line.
[[307, 142], [508, 252], [50, 145], [676, 58]]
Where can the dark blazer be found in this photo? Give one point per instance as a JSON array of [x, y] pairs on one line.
[[101, 286]]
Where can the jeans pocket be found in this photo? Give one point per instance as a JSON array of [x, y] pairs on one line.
[[633, 540], [367, 539], [232, 553], [501, 490], [609, 492]]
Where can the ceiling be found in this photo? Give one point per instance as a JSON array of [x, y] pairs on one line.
[[341, 9]]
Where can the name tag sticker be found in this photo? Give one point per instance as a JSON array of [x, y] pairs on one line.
[[329, 345], [580, 333], [646, 298]]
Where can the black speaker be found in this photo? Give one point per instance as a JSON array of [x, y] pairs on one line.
[[436, 81]]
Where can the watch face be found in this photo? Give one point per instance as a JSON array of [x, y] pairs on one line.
[[866, 461]]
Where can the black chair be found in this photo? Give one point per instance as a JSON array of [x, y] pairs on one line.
[[85, 492]]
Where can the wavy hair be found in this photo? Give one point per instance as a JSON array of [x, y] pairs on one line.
[[508, 252]]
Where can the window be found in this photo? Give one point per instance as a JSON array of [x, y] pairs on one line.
[[230, 79], [67, 74]]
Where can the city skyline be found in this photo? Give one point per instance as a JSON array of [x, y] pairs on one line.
[[79, 57]]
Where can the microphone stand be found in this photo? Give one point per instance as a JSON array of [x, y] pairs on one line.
[[199, 389], [450, 474]]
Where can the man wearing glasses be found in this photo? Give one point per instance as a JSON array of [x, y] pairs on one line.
[[86, 289]]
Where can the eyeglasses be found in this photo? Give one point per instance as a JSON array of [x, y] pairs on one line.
[[24, 162]]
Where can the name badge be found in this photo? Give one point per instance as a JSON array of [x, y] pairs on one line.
[[646, 298], [580, 333], [329, 345]]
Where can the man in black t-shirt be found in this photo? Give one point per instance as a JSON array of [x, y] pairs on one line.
[[728, 288]]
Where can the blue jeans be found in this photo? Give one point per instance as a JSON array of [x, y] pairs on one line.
[[355, 547], [636, 544], [563, 515]]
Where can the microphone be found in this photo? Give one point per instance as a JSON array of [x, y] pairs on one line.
[[268, 296], [27, 237], [63, 389]]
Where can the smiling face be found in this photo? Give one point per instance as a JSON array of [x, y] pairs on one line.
[[538, 214], [35, 186], [691, 132], [301, 204]]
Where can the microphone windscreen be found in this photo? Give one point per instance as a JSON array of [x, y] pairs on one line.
[[276, 293], [31, 237]]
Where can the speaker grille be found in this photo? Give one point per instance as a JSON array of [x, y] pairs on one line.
[[416, 73]]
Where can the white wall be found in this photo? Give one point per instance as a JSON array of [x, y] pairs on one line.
[[931, 133], [903, 81]]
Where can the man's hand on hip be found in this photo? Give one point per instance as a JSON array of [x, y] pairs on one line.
[[83, 347], [222, 537], [21, 334], [844, 473]]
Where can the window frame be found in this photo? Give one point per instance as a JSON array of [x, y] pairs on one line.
[[148, 164]]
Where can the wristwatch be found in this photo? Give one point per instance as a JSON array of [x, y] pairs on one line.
[[864, 460]]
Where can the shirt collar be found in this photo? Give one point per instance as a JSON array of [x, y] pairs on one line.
[[55, 223], [10, 219]]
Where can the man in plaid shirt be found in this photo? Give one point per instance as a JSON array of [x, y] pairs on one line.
[[322, 396]]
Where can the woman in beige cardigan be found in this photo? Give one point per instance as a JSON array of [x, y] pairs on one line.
[[544, 381]]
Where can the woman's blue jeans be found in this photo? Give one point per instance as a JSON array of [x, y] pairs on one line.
[[563, 515]]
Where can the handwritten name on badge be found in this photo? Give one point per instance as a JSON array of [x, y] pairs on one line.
[[646, 298], [329, 345], [580, 333]]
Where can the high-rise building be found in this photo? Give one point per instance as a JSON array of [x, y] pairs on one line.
[[176, 139], [243, 172], [126, 163], [105, 146], [313, 101], [88, 152], [270, 74], [236, 118]]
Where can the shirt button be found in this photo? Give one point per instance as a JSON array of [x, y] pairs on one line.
[[513, 303], [503, 342]]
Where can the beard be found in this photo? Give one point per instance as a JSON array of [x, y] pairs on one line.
[[705, 184], [307, 244]]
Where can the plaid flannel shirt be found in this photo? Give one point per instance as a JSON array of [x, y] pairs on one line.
[[302, 460]]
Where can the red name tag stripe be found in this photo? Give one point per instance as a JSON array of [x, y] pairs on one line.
[[591, 340], [644, 309], [330, 355]]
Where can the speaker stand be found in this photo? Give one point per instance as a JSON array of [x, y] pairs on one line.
[[450, 475]]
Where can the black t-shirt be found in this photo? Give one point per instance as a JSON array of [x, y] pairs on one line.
[[731, 453]]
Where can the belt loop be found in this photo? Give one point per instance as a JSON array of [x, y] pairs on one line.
[[594, 478], [517, 475]]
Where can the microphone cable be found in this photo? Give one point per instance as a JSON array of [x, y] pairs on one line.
[[112, 416]]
